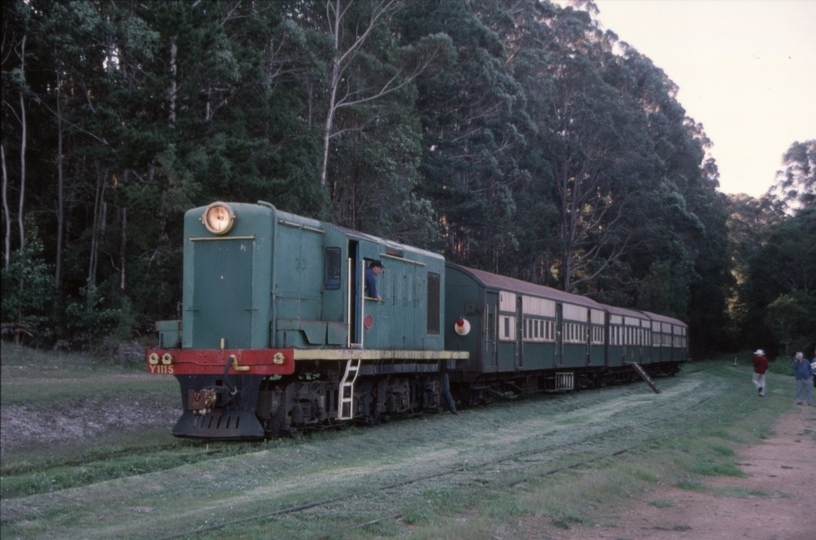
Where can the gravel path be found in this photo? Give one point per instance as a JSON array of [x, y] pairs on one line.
[[775, 500]]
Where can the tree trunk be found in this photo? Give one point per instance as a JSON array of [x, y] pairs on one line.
[[60, 199], [6, 214], [22, 146], [380, 13], [122, 247], [327, 126], [98, 227], [173, 69], [566, 254]]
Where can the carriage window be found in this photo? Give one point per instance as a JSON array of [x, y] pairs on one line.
[[331, 269]]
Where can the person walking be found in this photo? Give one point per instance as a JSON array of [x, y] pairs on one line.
[[813, 366], [760, 367], [803, 373]]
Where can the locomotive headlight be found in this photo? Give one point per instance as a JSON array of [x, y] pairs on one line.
[[461, 327], [218, 218], [153, 359], [167, 359]]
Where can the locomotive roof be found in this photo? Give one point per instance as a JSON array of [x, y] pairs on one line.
[[414, 251], [388, 243], [511, 284]]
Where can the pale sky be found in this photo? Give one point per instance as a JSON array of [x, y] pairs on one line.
[[746, 70]]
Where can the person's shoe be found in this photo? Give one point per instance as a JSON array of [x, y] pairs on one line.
[[759, 390], [798, 403]]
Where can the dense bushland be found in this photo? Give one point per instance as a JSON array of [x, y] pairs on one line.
[[516, 136]]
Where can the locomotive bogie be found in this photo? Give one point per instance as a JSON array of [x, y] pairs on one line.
[[290, 406]]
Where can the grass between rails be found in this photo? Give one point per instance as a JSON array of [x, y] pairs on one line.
[[594, 493], [491, 446]]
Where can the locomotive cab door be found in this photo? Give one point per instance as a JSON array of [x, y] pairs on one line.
[[355, 294]]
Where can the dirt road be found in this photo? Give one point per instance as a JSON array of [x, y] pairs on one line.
[[775, 500]]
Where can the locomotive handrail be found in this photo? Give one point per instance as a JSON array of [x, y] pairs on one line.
[[387, 256], [300, 226], [200, 239]]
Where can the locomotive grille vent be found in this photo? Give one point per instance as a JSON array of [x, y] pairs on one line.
[[564, 381]]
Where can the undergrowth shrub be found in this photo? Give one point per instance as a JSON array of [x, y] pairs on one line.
[[781, 366]]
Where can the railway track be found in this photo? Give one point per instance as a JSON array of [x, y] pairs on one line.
[[519, 481], [181, 449], [370, 476], [486, 475]]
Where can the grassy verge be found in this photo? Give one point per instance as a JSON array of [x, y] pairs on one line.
[[459, 468], [48, 379], [65, 414], [597, 493]]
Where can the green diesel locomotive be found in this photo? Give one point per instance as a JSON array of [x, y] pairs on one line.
[[279, 332]]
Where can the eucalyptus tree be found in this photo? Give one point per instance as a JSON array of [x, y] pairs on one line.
[[364, 82], [796, 185], [595, 138], [473, 119], [780, 289], [16, 98]]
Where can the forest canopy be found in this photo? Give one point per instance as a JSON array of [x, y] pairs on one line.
[[514, 136]]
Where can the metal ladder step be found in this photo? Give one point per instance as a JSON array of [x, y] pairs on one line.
[[645, 376], [345, 405]]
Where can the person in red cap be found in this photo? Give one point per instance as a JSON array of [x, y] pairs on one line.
[[760, 367]]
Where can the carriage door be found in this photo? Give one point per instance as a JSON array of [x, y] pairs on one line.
[[507, 349], [559, 336], [519, 335], [491, 328]]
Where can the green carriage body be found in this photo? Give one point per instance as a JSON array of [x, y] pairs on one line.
[[669, 339], [521, 327]]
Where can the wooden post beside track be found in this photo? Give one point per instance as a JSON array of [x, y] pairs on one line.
[[645, 376]]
